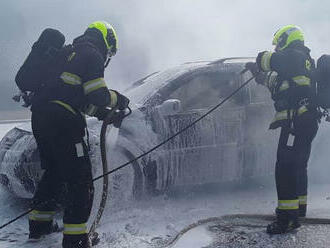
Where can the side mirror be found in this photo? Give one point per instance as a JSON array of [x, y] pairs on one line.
[[169, 107]]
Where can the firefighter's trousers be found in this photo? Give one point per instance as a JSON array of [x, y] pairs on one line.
[[64, 156], [293, 153]]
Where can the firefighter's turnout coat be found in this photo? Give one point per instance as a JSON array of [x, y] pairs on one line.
[[289, 81]]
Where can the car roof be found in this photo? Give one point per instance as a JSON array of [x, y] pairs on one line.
[[140, 91]]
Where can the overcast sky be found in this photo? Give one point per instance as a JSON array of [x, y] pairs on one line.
[[157, 34]]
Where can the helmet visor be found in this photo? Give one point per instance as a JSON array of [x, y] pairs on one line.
[[112, 51], [112, 42]]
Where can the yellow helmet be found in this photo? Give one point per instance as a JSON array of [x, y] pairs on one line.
[[109, 36], [286, 35]]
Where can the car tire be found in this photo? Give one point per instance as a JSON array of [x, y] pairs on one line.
[[138, 184]]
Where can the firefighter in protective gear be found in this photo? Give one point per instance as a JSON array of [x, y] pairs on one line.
[[76, 87], [287, 74]]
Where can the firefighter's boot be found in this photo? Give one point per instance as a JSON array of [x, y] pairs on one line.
[[40, 228], [76, 241], [302, 210], [302, 205], [286, 221]]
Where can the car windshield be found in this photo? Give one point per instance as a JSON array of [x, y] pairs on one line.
[[141, 81]]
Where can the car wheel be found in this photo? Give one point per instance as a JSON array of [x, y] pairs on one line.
[[127, 183], [137, 190]]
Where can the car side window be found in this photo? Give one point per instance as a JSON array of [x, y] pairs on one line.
[[257, 94], [204, 91]]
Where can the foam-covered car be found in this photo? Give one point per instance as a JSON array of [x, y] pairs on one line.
[[231, 143]]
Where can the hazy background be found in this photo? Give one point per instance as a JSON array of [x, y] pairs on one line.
[[157, 34]]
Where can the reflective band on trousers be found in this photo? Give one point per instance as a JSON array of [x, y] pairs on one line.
[[113, 99], [265, 61], [288, 204], [302, 80], [41, 215], [93, 85], [75, 229], [65, 105], [283, 115], [303, 199], [70, 78]]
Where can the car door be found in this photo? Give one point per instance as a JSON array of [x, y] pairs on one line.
[[209, 151]]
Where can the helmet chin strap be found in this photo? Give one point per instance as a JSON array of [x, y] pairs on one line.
[[107, 62]]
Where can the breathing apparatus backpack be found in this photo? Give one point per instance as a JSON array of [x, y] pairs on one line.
[[322, 76], [42, 62]]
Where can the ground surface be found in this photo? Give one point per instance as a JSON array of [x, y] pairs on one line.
[[239, 231], [157, 221]]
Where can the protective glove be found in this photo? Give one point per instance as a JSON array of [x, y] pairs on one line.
[[258, 61], [102, 113], [260, 76], [252, 67], [116, 118], [122, 101], [27, 98]]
